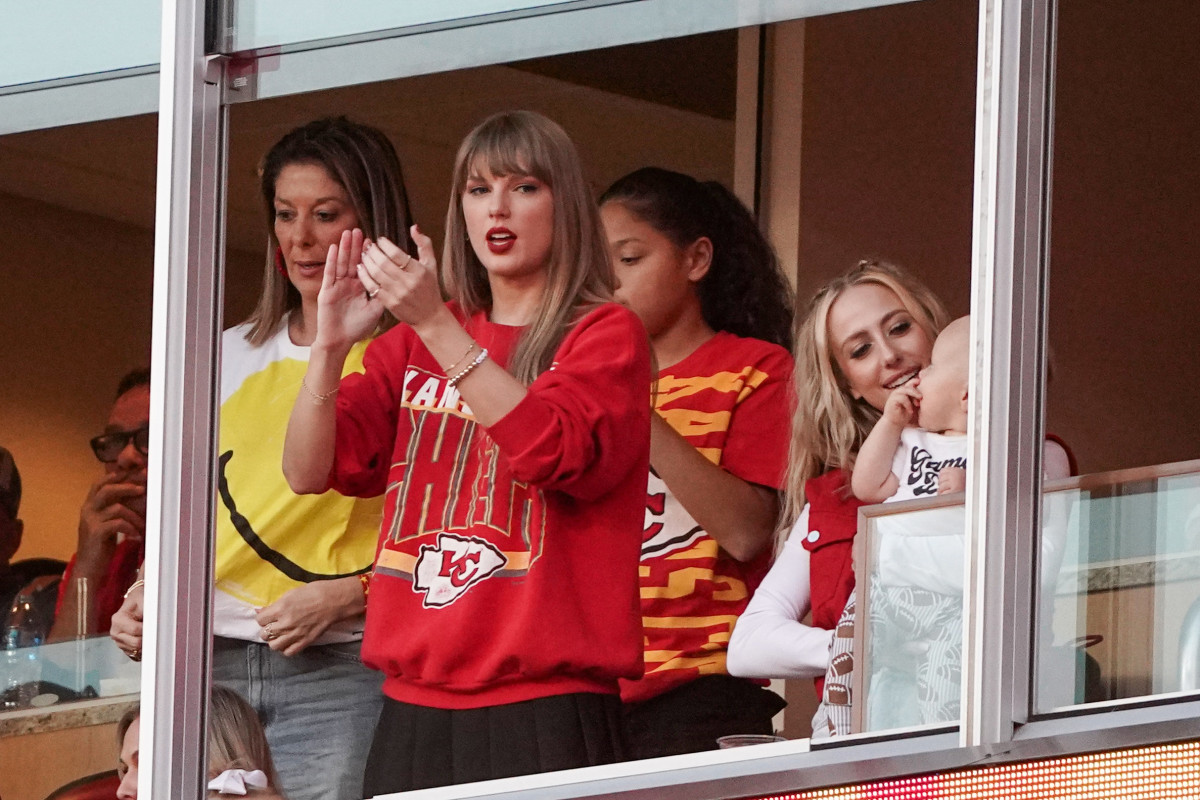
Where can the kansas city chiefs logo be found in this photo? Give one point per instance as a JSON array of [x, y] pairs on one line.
[[446, 570], [668, 529]]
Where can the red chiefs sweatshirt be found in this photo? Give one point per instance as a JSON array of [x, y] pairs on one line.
[[507, 566]]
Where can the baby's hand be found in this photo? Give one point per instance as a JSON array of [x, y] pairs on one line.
[[952, 479], [901, 406]]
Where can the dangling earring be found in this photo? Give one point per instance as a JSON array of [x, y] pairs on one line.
[[280, 266]]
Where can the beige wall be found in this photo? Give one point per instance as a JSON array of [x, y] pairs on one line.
[[888, 143], [52, 759], [1125, 281], [74, 316]]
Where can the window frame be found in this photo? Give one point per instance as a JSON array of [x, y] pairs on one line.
[[1010, 234], [1014, 121]]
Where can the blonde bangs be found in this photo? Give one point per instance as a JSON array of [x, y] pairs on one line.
[[502, 153], [579, 273]]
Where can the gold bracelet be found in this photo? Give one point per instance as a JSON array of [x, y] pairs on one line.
[[450, 369], [319, 399], [132, 586], [479, 359]]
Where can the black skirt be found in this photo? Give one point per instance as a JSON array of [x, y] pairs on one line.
[[416, 747], [689, 718]]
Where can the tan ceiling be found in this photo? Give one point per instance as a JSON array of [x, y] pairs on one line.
[[107, 168], [428, 116]]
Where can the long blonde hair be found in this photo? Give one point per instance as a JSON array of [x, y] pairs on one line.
[[829, 425], [363, 162], [236, 739], [579, 273]]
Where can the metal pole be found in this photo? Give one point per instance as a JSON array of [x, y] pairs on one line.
[[186, 324], [1009, 269]]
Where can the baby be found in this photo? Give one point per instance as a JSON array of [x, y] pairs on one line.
[[918, 448]]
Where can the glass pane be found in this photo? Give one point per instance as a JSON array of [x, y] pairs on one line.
[[73, 38], [1113, 616], [1121, 618], [908, 634], [272, 23], [864, 72], [88, 190], [618, 122]]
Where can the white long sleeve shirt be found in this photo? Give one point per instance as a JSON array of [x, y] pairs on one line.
[[769, 640]]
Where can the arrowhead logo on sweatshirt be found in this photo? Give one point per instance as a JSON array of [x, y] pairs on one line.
[[445, 571]]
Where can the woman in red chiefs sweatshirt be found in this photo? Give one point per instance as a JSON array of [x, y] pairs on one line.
[[509, 429]]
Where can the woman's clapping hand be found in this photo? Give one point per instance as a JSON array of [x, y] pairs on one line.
[[407, 286], [345, 312]]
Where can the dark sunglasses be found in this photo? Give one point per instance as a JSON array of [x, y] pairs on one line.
[[108, 446]]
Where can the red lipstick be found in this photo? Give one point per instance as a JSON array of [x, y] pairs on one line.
[[500, 239]]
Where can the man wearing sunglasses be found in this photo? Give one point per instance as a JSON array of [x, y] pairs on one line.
[[112, 522]]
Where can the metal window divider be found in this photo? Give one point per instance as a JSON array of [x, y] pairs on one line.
[[1008, 298], [184, 353]]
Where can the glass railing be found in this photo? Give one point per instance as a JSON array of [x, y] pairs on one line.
[[255, 24], [909, 567], [46, 676], [54, 40], [1117, 602], [1120, 618]]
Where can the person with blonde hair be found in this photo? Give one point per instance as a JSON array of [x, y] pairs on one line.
[[129, 729], [865, 334], [239, 758], [509, 429]]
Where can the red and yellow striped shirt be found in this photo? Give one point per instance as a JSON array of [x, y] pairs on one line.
[[729, 399]]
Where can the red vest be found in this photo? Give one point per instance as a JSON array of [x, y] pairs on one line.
[[832, 523]]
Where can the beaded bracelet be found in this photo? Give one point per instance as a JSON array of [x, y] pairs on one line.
[[479, 359], [319, 399], [453, 367], [365, 579]]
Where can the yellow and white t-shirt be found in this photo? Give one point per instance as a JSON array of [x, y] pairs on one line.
[[270, 540]]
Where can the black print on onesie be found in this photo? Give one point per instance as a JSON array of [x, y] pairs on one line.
[[923, 470]]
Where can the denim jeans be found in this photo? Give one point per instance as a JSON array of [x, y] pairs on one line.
[[320, 709]]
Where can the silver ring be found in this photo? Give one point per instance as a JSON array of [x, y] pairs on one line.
[[268, 634], [371, 295]]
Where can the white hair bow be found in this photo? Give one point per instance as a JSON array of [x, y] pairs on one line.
[[235, 781]]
